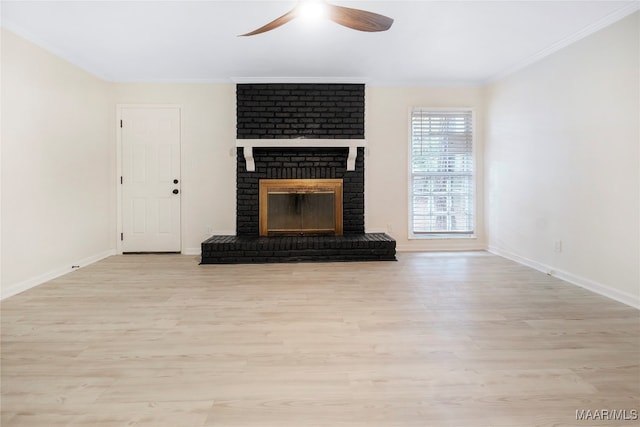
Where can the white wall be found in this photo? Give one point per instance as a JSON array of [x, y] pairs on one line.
[[387, 162], [208, 153], [562, 155], [56, 209]]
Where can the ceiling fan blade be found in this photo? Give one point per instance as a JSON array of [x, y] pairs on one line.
[[357, 19], [273, 24]]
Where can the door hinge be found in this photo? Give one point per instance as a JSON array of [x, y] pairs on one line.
[[120, 123], [120, 180], [121, 236]]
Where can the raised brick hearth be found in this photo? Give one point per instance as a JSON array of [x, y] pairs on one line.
[[291, 111], [357, 247]]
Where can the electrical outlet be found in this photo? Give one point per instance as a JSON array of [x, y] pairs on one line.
[[557, 246]]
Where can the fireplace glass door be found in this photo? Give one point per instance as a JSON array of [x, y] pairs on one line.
[[301, 207]]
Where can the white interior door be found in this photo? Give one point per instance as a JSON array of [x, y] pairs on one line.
[[150, 179]]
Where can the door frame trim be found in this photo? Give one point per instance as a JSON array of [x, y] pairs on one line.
[[119, 108]]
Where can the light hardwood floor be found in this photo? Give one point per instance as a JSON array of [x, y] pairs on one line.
[[458, 339]]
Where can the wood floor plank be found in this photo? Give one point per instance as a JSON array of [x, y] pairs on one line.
[[435, 339]]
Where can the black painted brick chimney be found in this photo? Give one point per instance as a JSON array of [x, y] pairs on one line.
[[288, 111], [327, 111]]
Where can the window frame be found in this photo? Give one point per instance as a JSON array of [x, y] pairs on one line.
[[412, 235]]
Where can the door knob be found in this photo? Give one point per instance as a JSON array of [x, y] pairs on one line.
[[175, 191]]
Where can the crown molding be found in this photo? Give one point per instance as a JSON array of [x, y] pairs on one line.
[[174, 81], [51, 49], [600, 24], [282, 80]]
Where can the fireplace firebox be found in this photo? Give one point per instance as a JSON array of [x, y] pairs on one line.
[[300, 207]]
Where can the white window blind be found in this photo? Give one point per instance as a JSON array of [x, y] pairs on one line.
[[442, 185]]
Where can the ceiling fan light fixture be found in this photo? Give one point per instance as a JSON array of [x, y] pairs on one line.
[[356, 19], [312, 10]]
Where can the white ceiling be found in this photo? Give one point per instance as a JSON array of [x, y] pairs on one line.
[[430, 42]]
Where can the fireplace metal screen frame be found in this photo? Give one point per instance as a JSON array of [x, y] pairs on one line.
[[301, 186]]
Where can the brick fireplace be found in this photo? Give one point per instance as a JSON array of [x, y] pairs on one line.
[[299, 132]]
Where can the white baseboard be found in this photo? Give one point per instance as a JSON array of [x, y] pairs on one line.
[[520, 260], [587, 284], [442, 246], [38, 280], [192, 251]]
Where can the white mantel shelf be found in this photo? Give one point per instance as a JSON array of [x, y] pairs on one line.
[[249, 144]]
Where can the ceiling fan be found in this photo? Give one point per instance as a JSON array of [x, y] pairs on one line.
[[356, 19]]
